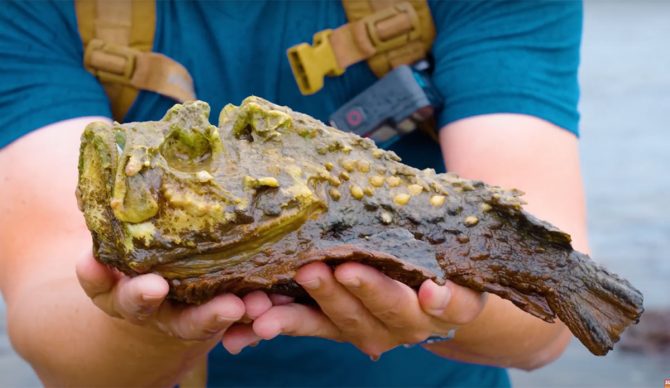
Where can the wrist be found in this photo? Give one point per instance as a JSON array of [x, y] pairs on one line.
[[153, 338], [173, 357]]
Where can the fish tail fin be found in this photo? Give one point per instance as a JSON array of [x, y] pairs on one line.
[[599, 308]]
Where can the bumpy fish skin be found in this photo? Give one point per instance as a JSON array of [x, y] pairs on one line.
[[241, 207]]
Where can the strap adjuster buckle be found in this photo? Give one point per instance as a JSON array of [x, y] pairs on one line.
[[389, 29], [310, 64], [110, 62]]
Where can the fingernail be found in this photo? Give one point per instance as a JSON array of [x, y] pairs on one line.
[[441, 302], [353, 282], [224, 319], [150, 298], [311, 284]]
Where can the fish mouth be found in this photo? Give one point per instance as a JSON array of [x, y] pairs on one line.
[[221, 255]]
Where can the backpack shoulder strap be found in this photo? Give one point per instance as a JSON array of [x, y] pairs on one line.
[[414, 49], [386, 33], [118, 37]]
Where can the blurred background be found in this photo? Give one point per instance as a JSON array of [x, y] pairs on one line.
[[625, 106], [625, 146]]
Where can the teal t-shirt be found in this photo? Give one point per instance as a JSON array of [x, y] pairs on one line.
[[489, 57]]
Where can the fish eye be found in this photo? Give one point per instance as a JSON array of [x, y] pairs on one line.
[[186, 149]]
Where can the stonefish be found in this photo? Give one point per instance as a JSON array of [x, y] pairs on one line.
[[242, 206]]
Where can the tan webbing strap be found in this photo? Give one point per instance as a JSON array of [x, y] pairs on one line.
[[419, 32], [114, 20], [118, 38], [410, 52], [387, 33]]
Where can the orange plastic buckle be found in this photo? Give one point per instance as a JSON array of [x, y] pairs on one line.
[[401, 39], [110, 62], [310, 64]]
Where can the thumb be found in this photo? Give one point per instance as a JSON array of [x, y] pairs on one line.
[[451, 303], [94, 277]]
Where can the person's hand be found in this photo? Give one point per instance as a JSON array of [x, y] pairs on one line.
[[360, 305], [141, 300], [241, 334]]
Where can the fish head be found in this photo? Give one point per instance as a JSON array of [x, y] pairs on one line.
[[183, 186]]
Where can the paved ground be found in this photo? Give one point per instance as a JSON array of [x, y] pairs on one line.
[[626, 148]]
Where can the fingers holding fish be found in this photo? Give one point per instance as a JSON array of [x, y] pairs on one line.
[[133, 299], [255, 304], [402, 311], [241, 334], [341, 316], [360, 305], [95, 278], [238, 337], [298, 320], [343, 308], [203, 322], [137, 299], [295, 320], [391, 302], [141, 300], [451, 302]]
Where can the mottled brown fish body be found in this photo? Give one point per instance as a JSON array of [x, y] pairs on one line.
[[241, 207]]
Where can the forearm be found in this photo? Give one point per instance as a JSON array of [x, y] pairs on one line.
[[70, 342], [505, 336], [542, 160]]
